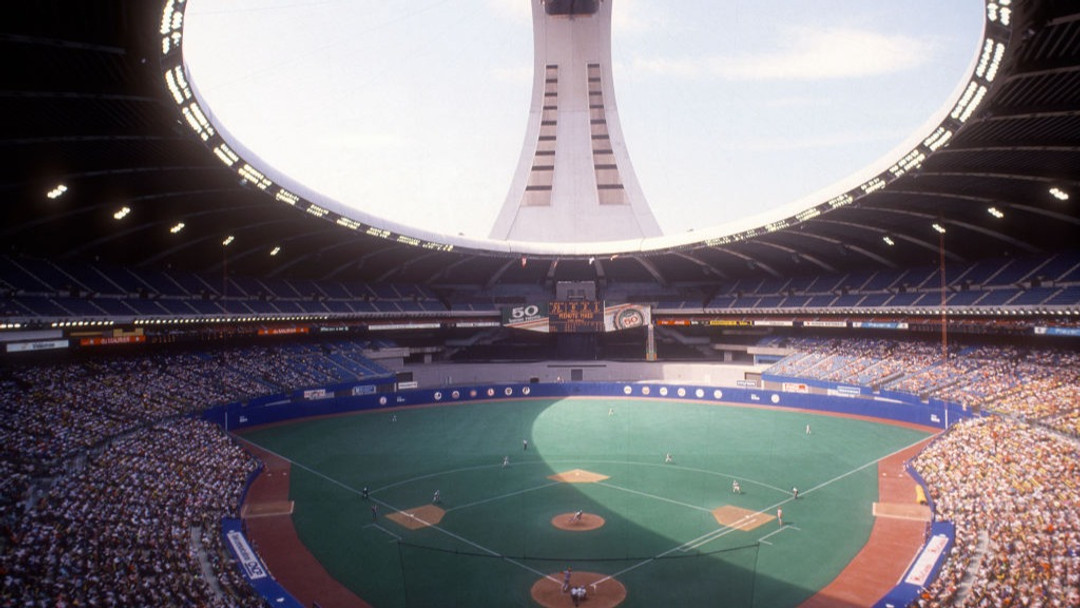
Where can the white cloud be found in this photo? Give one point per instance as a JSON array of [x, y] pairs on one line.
[[806, 53]]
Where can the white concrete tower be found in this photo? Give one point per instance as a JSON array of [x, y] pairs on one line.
[[574, 182]]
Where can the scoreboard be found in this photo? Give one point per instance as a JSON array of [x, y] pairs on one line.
[[576, 316]]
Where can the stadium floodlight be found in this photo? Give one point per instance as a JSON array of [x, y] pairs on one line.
[[1059, 194], [177, 228], [969, 101], [938, 138], [122, 213], [995, 212], [57, 192], [990, 59], [177, 84], [938, 227], [999, 11], [275, 250], [197, 120], [285, 196], [226, 155], [888, 241], [228, 241], [254, 176]]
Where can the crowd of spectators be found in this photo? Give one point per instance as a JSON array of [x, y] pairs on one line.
[[1013, 492], [55, 413], [1037, 384], [125, 527], [125, 530], [1010, 482], [52, 410]]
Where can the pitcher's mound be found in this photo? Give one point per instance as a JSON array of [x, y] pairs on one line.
[[588, 521], [607, 594]]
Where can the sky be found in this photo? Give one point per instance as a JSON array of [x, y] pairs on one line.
[[415, 110]]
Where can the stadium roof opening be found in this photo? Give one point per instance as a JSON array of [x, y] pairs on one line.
[[737, 116]]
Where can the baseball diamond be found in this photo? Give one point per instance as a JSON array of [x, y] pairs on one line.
[[650, 526]]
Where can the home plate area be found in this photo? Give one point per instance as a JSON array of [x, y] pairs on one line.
[[739, 518]]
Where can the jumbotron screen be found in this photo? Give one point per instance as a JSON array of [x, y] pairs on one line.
[[576, 316]]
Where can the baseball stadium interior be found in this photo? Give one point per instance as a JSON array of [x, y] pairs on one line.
[[153, 279]]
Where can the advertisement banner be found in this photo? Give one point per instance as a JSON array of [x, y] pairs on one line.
[[879, 324], [471, 324], [363, 389], [23, 347], [112, 340], [578, 316], [249, 562], [396, 326], [252, 568], [283, 331], [626, 316], [1057, 331], [825, 323], [531, 317]]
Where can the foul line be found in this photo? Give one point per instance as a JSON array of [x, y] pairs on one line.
[[393, 508], [723, 532], [494, 498], [695, 543], [762, 539], [377, 526], [653, 496]]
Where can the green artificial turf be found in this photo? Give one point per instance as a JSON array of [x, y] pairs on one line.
[[660, 538]]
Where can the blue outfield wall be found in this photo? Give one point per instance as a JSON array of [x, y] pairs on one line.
[[360, 397]]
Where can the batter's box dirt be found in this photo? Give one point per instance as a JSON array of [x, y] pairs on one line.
[[897, 510], [420, 517], [578, 476], [601, 590], [266, 509], [739, 518]]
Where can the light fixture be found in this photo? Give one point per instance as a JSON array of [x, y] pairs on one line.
[[122, 213], [228, 240], [888, 241], [177, 228], [57, 192], [1059, 194], [938, 227], [275, 250], [995, 212]]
